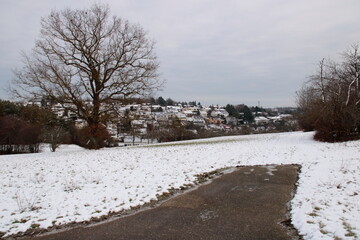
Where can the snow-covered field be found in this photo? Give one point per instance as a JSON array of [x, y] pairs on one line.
[[45, 189]]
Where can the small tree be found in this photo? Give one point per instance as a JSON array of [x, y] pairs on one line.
[[135, 130], [55, 136]]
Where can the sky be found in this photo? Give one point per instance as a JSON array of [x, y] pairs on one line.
[[210, 51]]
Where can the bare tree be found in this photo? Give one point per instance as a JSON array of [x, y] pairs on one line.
[[86, 60], [351, 73], [54, 135], [319, 79]]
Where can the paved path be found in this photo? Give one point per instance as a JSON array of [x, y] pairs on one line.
[[248, 203]]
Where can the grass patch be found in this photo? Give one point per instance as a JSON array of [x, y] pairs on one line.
[[35, 225], [349, 229], [313, 214], [324, 232]]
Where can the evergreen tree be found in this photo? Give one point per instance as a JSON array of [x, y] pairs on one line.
[[161, 101], [248, 117], [170, 102], [232, 111]]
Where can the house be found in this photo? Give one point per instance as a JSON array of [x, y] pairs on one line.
[[232, 120], [219, 113], [181, 116], [215, 120], [261, 120], [199, 121]]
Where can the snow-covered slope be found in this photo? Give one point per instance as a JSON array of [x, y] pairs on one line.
[[41, 190]]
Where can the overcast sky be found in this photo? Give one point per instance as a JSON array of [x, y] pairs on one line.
[[211, 51]]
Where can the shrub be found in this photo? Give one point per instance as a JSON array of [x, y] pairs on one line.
[[330, 102], [91, 137], [18, 136]]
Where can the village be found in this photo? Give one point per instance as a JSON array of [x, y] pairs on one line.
[[144, 123]]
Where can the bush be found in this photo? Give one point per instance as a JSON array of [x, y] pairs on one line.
[[339, 123], [18, 136], [330, 102], [91, 137], [174, 131]]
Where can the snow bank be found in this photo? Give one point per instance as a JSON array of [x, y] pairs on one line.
[[46, 189]]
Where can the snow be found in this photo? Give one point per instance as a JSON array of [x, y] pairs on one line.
[[61, 148], [74, 185]]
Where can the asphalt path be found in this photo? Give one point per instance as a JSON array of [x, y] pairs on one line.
[[248, 203]]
